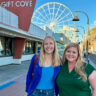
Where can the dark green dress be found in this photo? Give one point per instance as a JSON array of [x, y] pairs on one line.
[[70, 83]]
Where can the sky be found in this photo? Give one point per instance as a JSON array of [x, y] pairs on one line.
[[88, 6]]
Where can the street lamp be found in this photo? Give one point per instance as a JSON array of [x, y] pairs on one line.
[[77, 30], [77, 19]]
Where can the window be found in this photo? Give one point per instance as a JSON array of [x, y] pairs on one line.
[[2, 46], [39, 47], [8, 45], [29, 47], [5, 46]]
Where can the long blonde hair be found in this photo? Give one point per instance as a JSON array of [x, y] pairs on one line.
[[79, 66], [55, 55]]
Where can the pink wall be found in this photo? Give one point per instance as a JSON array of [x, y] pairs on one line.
[[24, 10]]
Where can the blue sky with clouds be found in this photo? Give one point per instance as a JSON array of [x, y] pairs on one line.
[[88, 6]]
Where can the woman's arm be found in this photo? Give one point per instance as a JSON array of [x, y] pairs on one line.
[[29, 74], [92, 80]]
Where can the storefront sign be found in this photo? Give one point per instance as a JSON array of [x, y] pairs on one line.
[[18, 3], [22, 8]]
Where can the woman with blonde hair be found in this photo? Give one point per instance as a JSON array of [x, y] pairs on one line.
[[47, 66], [75, 76]]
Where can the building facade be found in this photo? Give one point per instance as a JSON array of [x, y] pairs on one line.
[[92, 41], [19, 38]]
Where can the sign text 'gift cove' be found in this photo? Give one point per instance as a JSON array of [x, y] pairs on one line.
[[14, 3]]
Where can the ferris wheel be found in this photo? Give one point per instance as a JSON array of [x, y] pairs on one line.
[[54, 15]]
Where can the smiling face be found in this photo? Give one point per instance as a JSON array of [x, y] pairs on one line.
[[71, 54], [48, 46]]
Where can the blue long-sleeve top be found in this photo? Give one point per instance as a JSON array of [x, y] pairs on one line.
[[31, 84]]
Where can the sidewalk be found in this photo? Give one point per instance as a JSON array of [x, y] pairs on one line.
[[92, 57], [90, 62], [12, 79]]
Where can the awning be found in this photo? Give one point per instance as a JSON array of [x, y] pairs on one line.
[[10, 31]]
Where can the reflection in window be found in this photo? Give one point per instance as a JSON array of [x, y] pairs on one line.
[[29, 47], [2, 46], [39, 47], [5, 46], [8, 46]]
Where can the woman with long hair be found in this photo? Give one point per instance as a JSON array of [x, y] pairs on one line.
[[75, 76], [47, 66]]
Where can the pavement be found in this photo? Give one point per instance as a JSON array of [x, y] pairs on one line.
[[13, 78], [92, 57]]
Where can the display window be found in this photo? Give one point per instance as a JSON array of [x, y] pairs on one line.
[[5, 46]]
